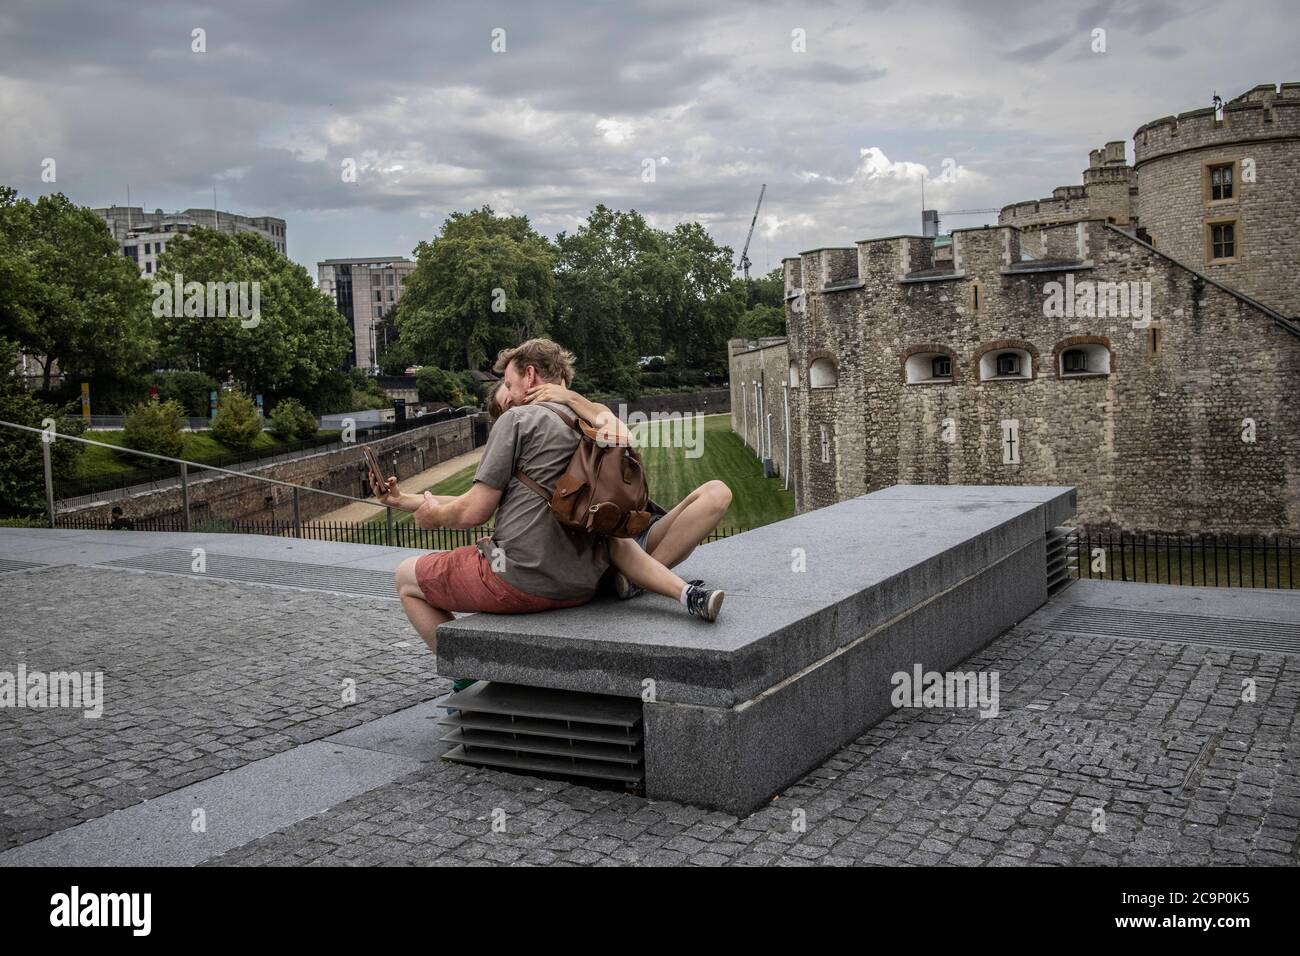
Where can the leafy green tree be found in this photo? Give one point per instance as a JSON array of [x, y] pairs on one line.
[[290, 420], [485, 283], [295, 337], [606, 273], [154, 426], [189, 389], [237, 424], [67, 294], [698, 303], [22, 466], [766, 290], [439, 385], [759, 321]]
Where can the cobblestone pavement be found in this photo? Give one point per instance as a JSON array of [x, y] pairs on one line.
[[234, 674], [1105, 751], [1150, 741]]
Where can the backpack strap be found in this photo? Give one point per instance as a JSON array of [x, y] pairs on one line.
[[519, 473], [568, 419]]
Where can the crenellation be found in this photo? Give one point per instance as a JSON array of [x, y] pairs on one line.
[[1150, 426]]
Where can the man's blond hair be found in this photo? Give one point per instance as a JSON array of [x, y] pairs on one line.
[[554, 363]]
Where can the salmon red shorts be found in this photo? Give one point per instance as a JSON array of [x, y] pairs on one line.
[[463, 580]]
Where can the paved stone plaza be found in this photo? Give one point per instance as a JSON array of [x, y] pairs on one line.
[[232, 700]]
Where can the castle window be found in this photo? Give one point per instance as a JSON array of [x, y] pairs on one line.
[[927, 367], [975, 295], [1006, 365], [1221, 240], [822, 374], [1221, 182], [1084, 361], [794, 375]]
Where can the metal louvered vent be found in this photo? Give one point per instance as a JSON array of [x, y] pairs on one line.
[[1278, 637], [13, 564], [1062, 559], [293, 574], [539, 730]]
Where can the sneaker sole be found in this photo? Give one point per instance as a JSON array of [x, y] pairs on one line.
[[715, 605]]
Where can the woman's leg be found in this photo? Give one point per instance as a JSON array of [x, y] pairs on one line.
[[680, 531], [643, 570]]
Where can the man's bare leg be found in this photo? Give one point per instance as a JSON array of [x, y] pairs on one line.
[[680, 531], [423, 616]]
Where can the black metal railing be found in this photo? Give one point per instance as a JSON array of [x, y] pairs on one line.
[[404, 535], [1232, 561]]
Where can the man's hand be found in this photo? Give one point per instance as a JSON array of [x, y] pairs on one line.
[[426, 516], [386, 494], [549, 392]]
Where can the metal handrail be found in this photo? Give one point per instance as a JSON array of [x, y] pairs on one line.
[[186, 462]]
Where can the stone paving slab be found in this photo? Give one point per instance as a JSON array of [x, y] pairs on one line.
[[200, 677], [194, 823], [206, 676], [1154, 736]]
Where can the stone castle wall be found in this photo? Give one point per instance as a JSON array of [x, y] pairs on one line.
[[1155, 445], [1260, 129]]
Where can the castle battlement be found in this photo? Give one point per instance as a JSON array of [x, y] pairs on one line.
[[1263, 112]]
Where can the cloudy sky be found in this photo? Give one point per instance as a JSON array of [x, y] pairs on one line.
[[840, 108]]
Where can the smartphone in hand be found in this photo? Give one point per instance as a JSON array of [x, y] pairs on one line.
[[377, 480]]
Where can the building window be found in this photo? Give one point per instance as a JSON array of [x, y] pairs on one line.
[[148, 268], [975, 295], [1220, 182], [388, 278], [1084, 361], [822, 374], [926, 367], [1222, 240], [377, 297], [1006, 365], [148, 248], [826, 447], [794, 375], [1153, 341]]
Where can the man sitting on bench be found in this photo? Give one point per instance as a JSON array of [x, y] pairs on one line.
[[671, 536], [530, 562]]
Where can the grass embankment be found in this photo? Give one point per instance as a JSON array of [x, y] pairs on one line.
[[103, 463]]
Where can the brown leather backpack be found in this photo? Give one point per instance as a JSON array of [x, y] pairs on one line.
[[603, 491]]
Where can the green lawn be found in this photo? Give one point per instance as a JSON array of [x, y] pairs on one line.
[[672, 475], [95, 462]]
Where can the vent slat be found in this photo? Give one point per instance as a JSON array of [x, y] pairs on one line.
[[543, 730]]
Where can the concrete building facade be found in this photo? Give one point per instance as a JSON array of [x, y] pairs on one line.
[[144, 236], [365, 291]]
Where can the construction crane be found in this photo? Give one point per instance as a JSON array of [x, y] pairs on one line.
[[744, 255]]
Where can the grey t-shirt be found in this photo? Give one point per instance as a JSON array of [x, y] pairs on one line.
[[539, 555]]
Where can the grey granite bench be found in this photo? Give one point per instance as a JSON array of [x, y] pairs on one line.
[[800, 662]]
